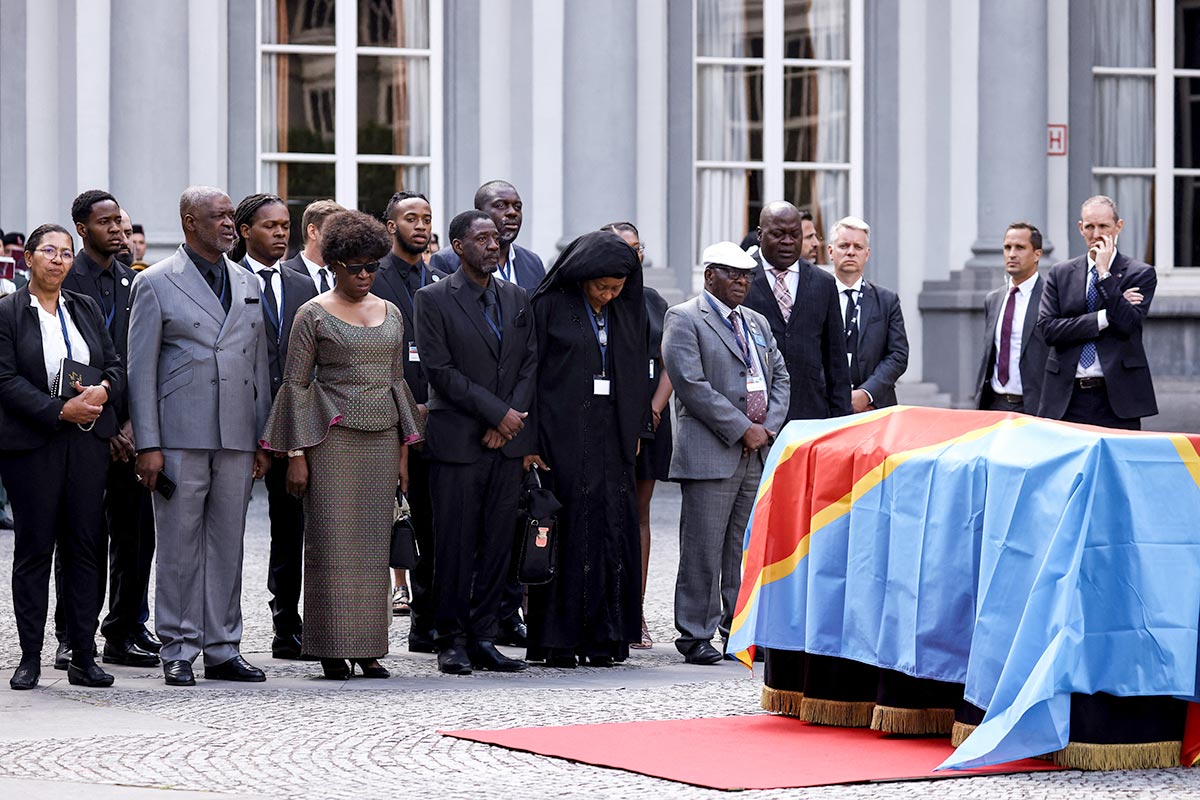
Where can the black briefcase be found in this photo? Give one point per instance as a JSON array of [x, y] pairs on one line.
[[404, 551], [537, 531]]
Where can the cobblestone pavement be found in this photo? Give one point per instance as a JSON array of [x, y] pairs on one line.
[[296, 736]]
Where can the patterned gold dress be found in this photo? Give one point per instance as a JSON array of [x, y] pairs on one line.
[[345, 403]]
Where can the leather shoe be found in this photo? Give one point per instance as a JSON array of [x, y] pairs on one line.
[[62, 656], [235, 669], [419, 643], [453, 660], [178, 673], [288, 646], [27, 674], [86, 672], [146, 640], [513, 633], [128, 654], [703, 653], [484, 655]]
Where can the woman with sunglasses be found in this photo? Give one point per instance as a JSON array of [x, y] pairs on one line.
[[345, 417], [54, 454]]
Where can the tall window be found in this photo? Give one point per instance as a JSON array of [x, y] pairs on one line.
[[1146, 123], [350, 101], [778, 111]]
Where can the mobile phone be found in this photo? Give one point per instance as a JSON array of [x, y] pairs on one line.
[[164, 486]]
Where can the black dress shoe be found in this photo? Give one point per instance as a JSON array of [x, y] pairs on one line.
[[703, 653], [370, 667], [62, 656], [287, 646], [86, 672], [27, 674], [453, 660], [128, 654], [178, 673], [146, 640], [421, 643], [235, 669], [335, 669], [484, 655], [513, 633]]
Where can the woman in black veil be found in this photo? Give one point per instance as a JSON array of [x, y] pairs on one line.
[[592, 407]]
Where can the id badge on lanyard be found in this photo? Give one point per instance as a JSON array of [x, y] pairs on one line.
[[413, 355], [601, 386]]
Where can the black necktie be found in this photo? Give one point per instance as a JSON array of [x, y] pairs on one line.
[[851, 327], [489, 311], [324, 279], [269, 292]]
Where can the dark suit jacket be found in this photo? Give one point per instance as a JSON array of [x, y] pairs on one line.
[[298, 289], [84, 278], [813, 342], [526, 263], [1066, 324], [389, 284], [882, 344], [1033, 349], [473, 378], [28, 414]]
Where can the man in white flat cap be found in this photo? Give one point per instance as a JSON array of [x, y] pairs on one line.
[[731, 398]]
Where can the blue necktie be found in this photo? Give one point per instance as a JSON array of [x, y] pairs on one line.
[[1087, 356]]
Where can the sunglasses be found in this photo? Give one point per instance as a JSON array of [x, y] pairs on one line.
[[354, 269]]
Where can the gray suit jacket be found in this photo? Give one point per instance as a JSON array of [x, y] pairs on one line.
[[198, 377], [702, 357]]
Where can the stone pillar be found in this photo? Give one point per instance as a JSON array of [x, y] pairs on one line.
[[599, 115], [1012, 186]]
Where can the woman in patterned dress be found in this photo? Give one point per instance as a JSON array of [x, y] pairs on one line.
[[345, 417]]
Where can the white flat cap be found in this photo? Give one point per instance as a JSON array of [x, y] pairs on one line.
[[727, 254]]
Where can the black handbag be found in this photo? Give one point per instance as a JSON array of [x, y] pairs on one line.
[[537, 531], [404, 551]]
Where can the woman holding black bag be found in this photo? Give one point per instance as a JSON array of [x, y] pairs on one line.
[[54, 450]]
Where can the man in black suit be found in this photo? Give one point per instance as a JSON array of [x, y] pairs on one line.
[[263, 223], [876, 345], [1014, 351], [129, 515], [801, 303], [500, 201], [1091, 315], [477, 345], [402, 273], [309, 261]]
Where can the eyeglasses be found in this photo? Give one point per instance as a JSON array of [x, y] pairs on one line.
[[49, 252], [641, 248], [354, 269], [734, 274]]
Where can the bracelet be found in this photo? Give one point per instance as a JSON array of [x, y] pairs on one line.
[[295, 453]]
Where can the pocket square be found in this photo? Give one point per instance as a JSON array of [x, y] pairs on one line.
[[521, 320]]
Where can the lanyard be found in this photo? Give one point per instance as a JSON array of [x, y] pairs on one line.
[[404, 283], [743, 345], [62, 321], [601, 342], [506, 271], [112, 312], [488, 318]]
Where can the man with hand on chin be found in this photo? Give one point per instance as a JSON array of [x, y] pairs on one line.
[[1091, 316]]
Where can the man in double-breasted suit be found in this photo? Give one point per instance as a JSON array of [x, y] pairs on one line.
[[876, 345], [264, 224], [476, 339], [199, 398], [731, 399], [800, 302], [1014, 351], [1091, 315]]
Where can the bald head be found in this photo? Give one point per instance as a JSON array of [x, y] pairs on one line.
[[780, 233]]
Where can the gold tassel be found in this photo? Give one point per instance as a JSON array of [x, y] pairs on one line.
[[913, 721], [781, 701], [1147, 755], [960, 732], [841, 713]]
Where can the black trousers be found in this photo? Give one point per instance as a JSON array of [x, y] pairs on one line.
[[57, 496], [285, 567], [1000, 404], [129, 512], [474, 513], [420, 580], [1091, 406]]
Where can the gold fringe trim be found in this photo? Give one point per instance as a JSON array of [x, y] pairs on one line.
[[841, 713], [960, 732], [913, 721], [781, 701], [1148, 755]]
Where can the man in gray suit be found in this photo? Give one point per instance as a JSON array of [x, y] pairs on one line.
[[731, 398], [199, 397]]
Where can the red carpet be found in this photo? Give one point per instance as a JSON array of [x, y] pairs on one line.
[[762, 751]]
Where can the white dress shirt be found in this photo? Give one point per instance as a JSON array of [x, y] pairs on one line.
[[1095, 370], [314, 272], [1020, 308], [508, 270], [276, 280], [54, 348]]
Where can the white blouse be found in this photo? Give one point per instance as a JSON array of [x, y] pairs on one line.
[[54, 347]]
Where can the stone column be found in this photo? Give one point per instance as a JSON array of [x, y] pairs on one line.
[[1012, 186]]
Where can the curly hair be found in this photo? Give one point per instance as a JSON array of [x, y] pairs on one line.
[[349, 237]]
